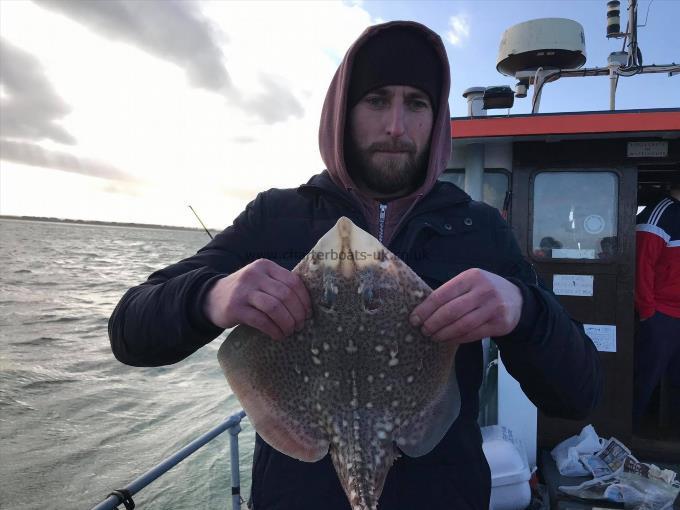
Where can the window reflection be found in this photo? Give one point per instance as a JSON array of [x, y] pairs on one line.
[[495, 185], [456, 177], [574, 215]]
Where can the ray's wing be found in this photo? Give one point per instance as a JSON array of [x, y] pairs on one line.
[[260, 372], [441, 404], [426, 430]]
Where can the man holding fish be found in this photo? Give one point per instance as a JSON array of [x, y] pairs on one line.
[[385, 139]]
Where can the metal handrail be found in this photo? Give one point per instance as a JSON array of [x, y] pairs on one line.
[[233, 424]]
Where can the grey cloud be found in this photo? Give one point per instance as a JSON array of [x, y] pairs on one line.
[[30, 109], [178, 32], [31, 105], [275, 104], [35, 155], [169, 29]]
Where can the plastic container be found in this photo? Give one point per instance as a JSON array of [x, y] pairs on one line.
[[510, 473]]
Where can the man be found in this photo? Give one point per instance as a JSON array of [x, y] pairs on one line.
[[385, 138], [657, 300]]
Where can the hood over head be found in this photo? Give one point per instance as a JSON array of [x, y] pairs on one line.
[[399, 56], [342, 94]]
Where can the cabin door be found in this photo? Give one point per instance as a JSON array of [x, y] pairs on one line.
[[577, 227]]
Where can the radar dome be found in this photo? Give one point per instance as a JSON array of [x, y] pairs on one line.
[[550, 43]]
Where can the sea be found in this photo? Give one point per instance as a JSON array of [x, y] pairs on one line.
[[75, 423]]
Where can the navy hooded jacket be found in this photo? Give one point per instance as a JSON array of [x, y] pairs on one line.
[[161, 321]]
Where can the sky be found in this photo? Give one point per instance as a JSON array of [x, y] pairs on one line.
[[129, 111]]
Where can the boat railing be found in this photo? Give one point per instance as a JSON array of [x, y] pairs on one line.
[[232, 424]]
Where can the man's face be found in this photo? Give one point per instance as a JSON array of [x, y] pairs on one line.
[[389, 140]]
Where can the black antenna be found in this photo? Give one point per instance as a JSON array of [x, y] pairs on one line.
[[202, 224]]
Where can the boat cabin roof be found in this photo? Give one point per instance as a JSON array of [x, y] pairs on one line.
[[664, 123]]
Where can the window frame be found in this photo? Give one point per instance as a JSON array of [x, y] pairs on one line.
[[532, 205], [491, 170]]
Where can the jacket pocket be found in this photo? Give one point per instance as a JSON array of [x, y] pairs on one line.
[[456, 240]]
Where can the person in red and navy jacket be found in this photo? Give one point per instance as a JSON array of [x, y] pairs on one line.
[[657, 301]]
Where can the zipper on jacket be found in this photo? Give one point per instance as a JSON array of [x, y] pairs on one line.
[[381, 222]]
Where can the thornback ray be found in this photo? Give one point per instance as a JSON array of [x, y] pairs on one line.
[[358, 379]]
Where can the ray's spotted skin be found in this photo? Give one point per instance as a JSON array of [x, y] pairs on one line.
[[358, 379]]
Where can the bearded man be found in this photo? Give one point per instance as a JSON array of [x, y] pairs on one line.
[[385, 139]]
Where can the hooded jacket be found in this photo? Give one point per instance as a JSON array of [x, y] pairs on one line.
[[332, 135], [439, 232]]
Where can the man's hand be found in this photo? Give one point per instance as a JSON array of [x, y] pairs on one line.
[[473, 305], [263, 295]]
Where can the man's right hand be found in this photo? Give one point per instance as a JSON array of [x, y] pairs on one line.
[[262, 295]]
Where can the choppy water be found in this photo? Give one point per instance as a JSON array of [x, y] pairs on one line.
[[74, 422]]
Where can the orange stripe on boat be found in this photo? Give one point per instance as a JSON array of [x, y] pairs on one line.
[[550, 124]]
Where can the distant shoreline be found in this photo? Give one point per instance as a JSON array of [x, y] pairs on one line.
[[95, 222]]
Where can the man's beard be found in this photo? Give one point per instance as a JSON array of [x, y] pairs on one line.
[[392, 175]]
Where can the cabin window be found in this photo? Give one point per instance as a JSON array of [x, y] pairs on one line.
[[574, 215], [496, 183]]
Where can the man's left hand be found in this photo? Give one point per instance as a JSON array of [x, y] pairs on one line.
[[472, 305]]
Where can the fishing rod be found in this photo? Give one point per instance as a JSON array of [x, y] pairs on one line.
[[201, 222]]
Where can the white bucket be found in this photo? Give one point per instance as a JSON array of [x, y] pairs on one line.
[[510, 473]]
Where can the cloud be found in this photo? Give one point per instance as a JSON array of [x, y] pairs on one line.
[[138, 112], [177, 31], [459, 29], [35, 155], [30, 106], [275, 104], [169, 29]]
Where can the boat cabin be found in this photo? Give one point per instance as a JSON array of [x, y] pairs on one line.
[[570, 185]]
